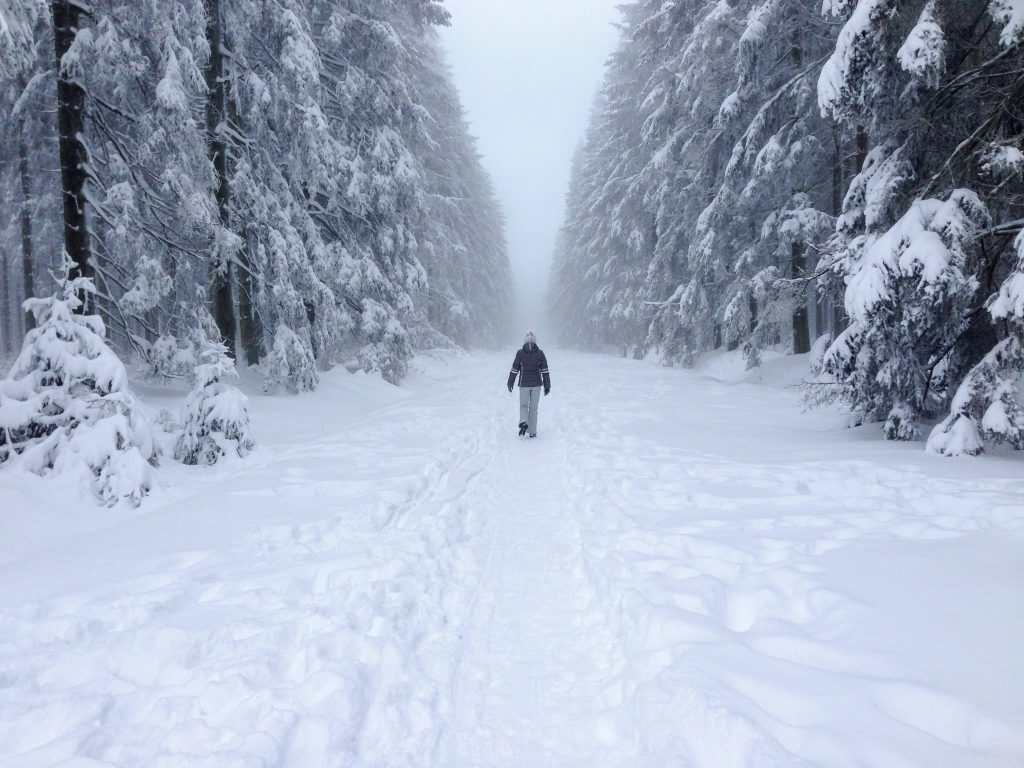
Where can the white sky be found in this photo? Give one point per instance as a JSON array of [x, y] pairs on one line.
[[527, 71]]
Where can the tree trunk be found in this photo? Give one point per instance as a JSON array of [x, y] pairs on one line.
[[801, 330], [249, 326], [26, 226], [6, 312], [838, 310], [837, 173], [67, 16], [223, 309], [818, 298], [862, 147]]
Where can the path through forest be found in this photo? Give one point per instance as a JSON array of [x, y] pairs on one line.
[[681, 570]]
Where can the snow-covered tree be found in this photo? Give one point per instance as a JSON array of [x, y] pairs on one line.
[[908, 295], [290, 364], [215, 417], [925, 232], [65, 406], [987, 406], [17, 45]]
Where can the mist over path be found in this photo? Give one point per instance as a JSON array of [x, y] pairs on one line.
[[527, 72]]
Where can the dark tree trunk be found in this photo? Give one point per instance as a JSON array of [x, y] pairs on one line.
[[222, 306], [67, 15], [820, 323], [6, 311], [837, 174], [249, 325], [801, 330], [26, 227], [838, 310], [862, 147]]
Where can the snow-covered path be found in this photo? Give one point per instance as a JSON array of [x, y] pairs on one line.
[[539, 657], [680, 571]]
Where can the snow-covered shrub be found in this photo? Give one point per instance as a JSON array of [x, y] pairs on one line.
[[290, 364], [216, 415], [386, 346], [987, 404], [65, 406], [908, 293]]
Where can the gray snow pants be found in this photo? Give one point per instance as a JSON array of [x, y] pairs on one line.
[[529, 399]]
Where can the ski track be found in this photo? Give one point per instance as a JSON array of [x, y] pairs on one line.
[[659, 579]]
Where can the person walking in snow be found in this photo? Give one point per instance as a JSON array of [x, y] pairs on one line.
[[531, 366]]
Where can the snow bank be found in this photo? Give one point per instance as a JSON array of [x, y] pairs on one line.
[[297, 609], [787, 593]]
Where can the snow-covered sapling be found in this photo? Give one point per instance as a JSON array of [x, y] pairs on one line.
[[65, 406], [216, 414], [290, 364]]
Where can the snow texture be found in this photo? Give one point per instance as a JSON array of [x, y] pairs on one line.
[[703, 576]]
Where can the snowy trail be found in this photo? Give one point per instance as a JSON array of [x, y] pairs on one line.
[[534, 680], [679, 571]]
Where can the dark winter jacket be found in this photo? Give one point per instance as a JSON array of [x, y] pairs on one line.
[[531, 367]]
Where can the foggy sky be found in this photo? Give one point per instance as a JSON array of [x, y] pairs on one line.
[[527, 71]]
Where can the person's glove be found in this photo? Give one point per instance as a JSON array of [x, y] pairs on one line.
[[547, 390], [509, 387]]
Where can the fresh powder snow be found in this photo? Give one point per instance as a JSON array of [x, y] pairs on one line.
[[683, 569]]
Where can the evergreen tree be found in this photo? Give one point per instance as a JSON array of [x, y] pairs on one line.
[[216, 415], [65, 406], [921, 271]]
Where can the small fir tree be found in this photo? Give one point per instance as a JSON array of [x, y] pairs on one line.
[[65, 406], [290, 365], [216, 415]]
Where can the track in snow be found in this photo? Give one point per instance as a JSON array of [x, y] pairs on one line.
[[535, 681], [677, 572]]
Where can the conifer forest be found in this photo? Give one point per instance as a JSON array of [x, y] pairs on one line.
[[842, 177]]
